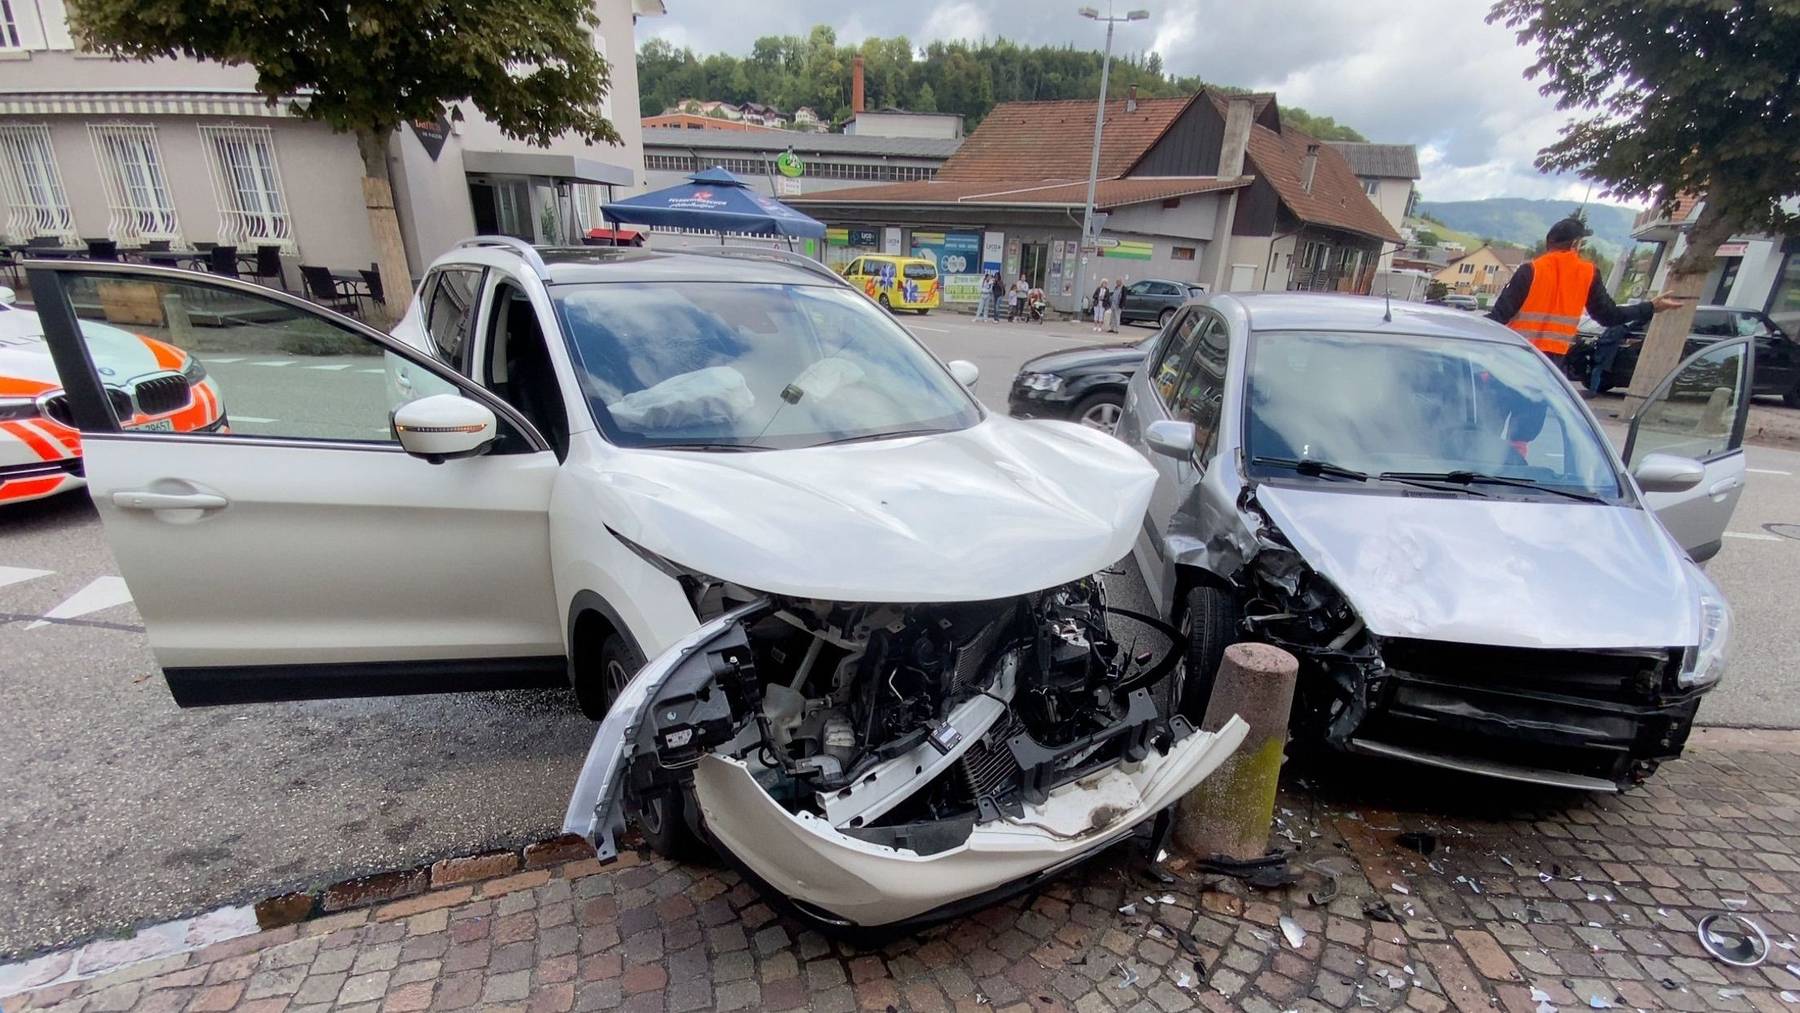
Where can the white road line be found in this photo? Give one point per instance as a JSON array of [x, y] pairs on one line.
[[934, 330], [20, 574], [251, 418], [101, 593], [1754, 536], [335, 365], [274, 362], [371, 371], [209, 360], [1767, 471]]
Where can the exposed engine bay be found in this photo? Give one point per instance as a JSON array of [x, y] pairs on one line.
[[915, 731]]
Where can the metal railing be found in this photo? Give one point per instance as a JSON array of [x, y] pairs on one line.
[[36, 203], [137, 190], [247, 186]]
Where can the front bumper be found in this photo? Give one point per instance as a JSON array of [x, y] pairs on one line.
[[1031, 403]]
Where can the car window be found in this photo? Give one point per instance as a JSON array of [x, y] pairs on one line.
[[449, 312], [179, 357], [920, 272], [1400, 403], [855, 267], [1169, 365], [1694, 415], [1751, 325], [1202, 387], [727, 364], [1714, 324], [1137, 288]]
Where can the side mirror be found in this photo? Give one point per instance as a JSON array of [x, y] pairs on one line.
[[444, 426], [1668, 473], [1170, 438], [7, 296], [966, 372]]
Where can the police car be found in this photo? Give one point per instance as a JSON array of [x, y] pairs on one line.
[[152, 386]]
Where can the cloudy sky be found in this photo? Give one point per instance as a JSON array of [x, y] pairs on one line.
[[1425, 72]]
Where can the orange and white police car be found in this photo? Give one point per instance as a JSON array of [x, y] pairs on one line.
[[152, 385]]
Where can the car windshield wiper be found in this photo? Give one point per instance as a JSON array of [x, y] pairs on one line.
[[892, 435], [1311, 468], [1466, 478], [708, 446]]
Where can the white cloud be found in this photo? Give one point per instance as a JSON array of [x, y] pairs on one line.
[[954, 19]]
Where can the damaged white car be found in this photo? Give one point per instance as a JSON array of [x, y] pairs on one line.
[[840, 621], [1416, 504]]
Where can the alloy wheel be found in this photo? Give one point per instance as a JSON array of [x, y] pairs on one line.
[[1103, 416]]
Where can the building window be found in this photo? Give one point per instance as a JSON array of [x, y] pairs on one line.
[[137, 190], [9, 26], [1180, 252], [1465, 269], [36, 204], [1370, 185], [252, 207]]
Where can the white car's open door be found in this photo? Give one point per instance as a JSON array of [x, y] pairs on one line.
[[1699, 412], [277, 539]]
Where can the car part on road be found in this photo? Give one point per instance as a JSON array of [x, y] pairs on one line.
[[1733, 939]]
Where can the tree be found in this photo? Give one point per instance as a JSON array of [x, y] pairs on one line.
[[1435, 290], [1676, 97], [1426, 238], [926, 102], [365, 67]]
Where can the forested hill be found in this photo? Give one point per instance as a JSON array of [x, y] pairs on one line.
[[1523, 222], [791, 71]]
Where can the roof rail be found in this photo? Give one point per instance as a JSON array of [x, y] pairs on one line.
[[526, 251], [788, 257]]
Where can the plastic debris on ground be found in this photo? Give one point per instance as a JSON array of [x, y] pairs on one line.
[[1599, 1002], [1789, 997], [1128, 975], [1128, 910], [1400, 888], [1184, 980], [1296, 936]]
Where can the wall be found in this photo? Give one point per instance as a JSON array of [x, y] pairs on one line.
[[1392, 197], [877, 124]]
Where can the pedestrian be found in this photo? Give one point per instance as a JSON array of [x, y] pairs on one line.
[[998, 293], [1115, 306], [1102, 300], [1019, 291], [984, 309], [1545, 297]]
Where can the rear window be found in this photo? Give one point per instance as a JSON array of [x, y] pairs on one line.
[[920, 272]]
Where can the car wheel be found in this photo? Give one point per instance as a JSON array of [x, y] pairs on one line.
[[603, 676], [883, 299], [1791, 397], [1209, 624], [924, 311], [1162, 319], [662, 818], [1100, 411]]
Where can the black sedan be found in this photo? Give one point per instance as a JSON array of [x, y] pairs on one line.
[[1777, 354], [1085, 385], [1154, 301]]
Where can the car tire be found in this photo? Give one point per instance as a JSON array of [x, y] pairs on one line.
[[883, 300], [1208, 624], [1791, 396], [1100, 411], [663, 820], [598, 680], [923, 312], [1162, 319]]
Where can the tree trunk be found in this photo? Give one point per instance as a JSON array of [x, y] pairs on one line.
[[1668, 332], [384, 229]]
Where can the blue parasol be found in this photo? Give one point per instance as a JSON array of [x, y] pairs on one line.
[[715, 201]]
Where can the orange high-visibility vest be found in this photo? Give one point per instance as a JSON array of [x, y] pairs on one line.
[[1560, 281]]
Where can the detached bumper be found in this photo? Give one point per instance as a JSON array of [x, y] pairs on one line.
[[1027, 403], [869, 885]]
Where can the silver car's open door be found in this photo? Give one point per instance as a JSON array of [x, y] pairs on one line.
[[1699, 411]]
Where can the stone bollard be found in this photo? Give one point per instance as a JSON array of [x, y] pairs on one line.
[[1229, 813]]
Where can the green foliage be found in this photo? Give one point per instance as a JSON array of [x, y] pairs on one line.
[[1673, 96], [953, 77], [369, 65], [1435, 289], [1425, 237]]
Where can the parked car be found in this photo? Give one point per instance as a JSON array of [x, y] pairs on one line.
[[880, 674], [1085, 385], [1466, 303], [150, 384], [1154, 301], [897, 283], [1777, 354], [1425, 514]]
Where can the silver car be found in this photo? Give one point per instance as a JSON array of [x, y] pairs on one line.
[[1415, 503]]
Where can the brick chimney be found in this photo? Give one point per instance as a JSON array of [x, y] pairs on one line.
[[1309, 166], [856, 84]]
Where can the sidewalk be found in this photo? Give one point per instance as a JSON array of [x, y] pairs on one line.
[[1590, 901]]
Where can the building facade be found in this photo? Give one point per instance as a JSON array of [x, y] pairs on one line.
[[1388, 174], [1749, 271], [1482, 273], [817, 163], [184, 151]]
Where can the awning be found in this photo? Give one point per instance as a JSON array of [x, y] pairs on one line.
[[140, 103], [544, 163]]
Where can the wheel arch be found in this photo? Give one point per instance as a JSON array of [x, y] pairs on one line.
[[591, 619]]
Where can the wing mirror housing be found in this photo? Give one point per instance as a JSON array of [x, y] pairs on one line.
[[1170, 438], [7, 296], [445, 426], [1668, 473], [966, 372]]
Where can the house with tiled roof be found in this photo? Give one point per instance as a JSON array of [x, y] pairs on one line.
[[1211, 189], [1484, 272], [1387, 173]]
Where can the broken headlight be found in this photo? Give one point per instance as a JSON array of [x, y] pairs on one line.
[[1706, 662], [1040, 381]]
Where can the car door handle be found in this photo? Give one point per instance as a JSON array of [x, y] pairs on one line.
[[1722, 486], [143, 499]]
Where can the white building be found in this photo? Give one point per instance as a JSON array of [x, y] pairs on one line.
[[1758, 272], [185, 151], [1388, 173]]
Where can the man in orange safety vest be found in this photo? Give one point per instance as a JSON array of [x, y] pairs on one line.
[[1545, 297]]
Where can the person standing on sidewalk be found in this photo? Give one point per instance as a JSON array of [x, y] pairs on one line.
[[1115, 306], [1102, 300], [997, 291], [1545, 298], [984, 308]]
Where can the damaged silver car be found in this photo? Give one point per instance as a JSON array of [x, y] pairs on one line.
[[1417, 505]]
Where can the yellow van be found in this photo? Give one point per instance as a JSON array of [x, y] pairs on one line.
[[897, 283]]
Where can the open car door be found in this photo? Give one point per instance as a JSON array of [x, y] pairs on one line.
[[1699, 412], [241, 448]]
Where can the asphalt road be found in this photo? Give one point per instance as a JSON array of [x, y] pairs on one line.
[[119, 809]]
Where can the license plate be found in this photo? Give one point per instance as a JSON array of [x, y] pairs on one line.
[[155, 426]]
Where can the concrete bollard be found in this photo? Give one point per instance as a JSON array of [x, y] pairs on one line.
[[1229, 813]]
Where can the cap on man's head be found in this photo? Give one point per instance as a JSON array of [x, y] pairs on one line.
[[1566, 231]]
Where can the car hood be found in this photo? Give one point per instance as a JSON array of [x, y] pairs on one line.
[[1087, 357], [1002, 508], [1499, 572], [25, 355]]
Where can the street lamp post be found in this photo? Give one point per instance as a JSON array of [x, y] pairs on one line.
[[1087, 209]]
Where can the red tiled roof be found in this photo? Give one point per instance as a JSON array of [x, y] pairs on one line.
[[1055, 139], [1336, 199], [1108, 193]]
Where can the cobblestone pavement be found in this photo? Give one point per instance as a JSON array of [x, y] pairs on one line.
[[1588, 901]]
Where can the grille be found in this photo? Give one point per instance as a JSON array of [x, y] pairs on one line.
[[987, 768], [1599, 675], [58, 407], [163, 394]]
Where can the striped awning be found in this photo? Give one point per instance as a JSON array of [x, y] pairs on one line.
[[139, 103]]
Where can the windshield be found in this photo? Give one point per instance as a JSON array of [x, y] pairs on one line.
[[710, 364], [1418, 406]]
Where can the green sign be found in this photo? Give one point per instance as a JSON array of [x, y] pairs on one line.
[[788, 164]]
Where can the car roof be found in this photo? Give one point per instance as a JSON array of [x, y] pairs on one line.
[[1311, 311], [578, 265]]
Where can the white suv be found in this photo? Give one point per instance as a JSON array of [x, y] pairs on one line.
[[881, 674]]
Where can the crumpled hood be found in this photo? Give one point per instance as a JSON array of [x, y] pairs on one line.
[[1499, 572], [1003, 508], [1087, 357]]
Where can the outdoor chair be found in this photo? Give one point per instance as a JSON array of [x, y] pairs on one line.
[[222, 260], [372, 281], [157, 245], [268, 265], [323, 289]]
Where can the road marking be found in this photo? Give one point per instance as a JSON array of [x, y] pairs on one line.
[[934, 330], [335, 365], [20, 574], [371, 371], [274, 362], [251, 418], [209, 360], [1754, 536], [101, 593], [1767, 471]]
